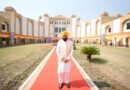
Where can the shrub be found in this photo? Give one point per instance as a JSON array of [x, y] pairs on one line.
[[89, 51], [74, 46], [105, 41]]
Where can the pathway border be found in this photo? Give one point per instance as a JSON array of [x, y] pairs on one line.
[[85, 76], [30, 80]]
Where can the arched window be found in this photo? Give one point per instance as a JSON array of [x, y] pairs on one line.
[[127, 26], [109, 29], [4, 27]]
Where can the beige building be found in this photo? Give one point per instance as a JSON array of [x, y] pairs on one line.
[[55, 25], [109, 29], [118, 31], [16, 29]]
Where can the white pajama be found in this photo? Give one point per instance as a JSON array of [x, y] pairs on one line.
[[63, 77]]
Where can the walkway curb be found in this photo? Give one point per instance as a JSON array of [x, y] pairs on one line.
[[85, 75], [30, 80]]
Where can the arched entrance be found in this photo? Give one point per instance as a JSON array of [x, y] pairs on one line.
[[127, 42], [4, 37], [121, 42], [125, 30]]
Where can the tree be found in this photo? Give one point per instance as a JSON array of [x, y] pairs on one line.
[[89, 51]]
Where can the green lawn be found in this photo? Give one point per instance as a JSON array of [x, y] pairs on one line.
[[113, 63], [17, 62]]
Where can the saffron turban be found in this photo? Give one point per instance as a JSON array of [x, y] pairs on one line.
[[64, 33]]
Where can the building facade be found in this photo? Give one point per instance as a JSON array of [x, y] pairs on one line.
[[16, 29], [109, 29], [55, 25]]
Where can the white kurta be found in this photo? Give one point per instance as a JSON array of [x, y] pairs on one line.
[[61, 50]]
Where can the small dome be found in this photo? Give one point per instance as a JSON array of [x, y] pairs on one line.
[[9, 8], [78, 18], [60, 16], [73, 16], [40, 17], [104, 14], [46, 14], [128, 13], [118, 15]]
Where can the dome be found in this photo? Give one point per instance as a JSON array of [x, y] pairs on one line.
[[60, 16], [128, 13], [73, 16], [78, 18], [104, 14], [46, 14], [9, 8], [40, 17], [118, 15]]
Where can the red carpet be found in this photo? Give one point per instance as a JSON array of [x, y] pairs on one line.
[[48, 78]]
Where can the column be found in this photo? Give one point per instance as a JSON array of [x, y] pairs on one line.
[[61, 26], [58, 28]]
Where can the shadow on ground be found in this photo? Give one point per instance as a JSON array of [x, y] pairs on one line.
[[101, 84], [99, 60], [78, 84]]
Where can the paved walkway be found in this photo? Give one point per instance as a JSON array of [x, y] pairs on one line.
[[48, 79]]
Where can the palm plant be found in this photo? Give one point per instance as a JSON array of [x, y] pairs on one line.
[[89, 51]]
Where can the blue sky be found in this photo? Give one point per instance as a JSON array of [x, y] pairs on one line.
[[85, 9]]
